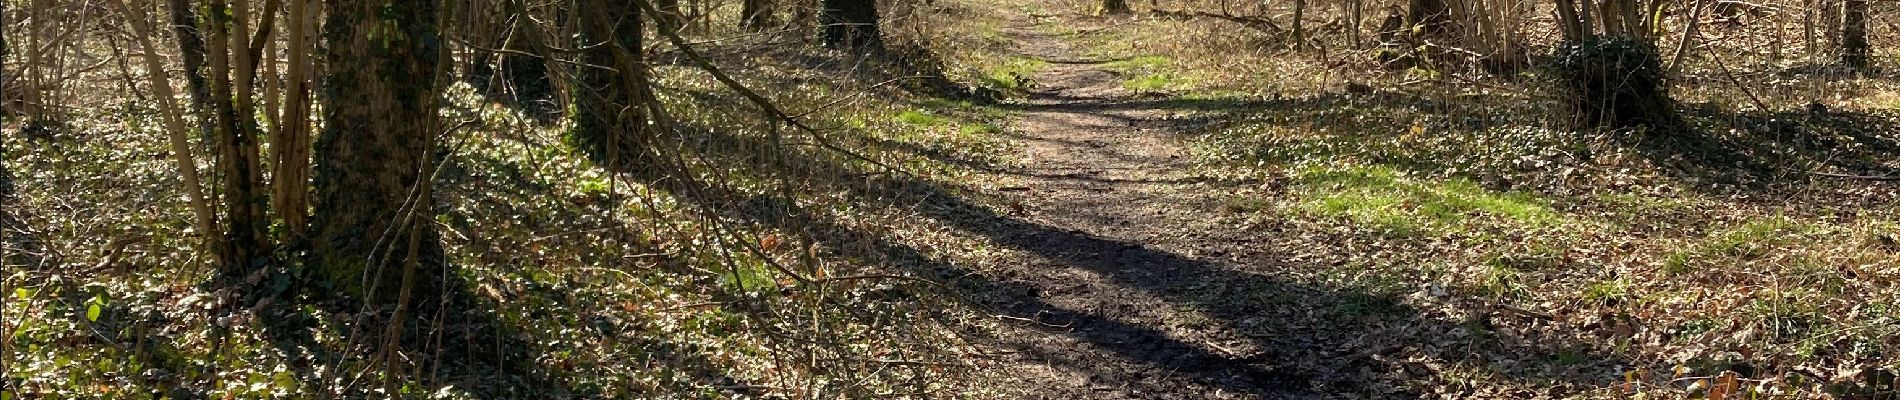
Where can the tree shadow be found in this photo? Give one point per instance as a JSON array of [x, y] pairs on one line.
[[1723, 151], [484, 337], [1768, 150], [1304, 339]]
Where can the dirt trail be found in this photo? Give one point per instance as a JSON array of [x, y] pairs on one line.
[[1129, 251], [1135, 281]]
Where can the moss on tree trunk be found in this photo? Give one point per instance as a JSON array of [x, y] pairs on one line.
[[1615, 82], [380, 119]]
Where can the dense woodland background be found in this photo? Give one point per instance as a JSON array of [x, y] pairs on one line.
[[827, 199]]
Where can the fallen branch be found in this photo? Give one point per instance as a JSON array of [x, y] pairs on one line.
[[1885, 178]]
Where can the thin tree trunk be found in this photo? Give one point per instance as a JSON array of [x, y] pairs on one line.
[[1355, 11], [290, 138], [191, 48], [175, 124], [1688, 36], [1299, 23], [235, 133]]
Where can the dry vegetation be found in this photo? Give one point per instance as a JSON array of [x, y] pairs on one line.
[[1749, 249], [1732, 246]]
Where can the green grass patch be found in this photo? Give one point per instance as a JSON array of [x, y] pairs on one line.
[[1749, 241], [926, 120], [1138, 64], [1146, 73], [1016, 75], [1384, 198]]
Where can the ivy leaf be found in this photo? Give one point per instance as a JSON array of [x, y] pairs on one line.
[[95, 307]]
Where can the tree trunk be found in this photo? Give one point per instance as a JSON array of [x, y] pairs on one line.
[[1114, 7], [609, 104], [850, 24], [1617, 79], [191, 47], [290, 141], [174, 125], [670, 17], [1854, 48], [757, 15], [1430, 18], [1299, 23], [235, 132], [372, 228]]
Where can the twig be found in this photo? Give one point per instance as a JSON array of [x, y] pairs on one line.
[[1524, 312], [1738, 85], [1033, 321], [1884, 178]]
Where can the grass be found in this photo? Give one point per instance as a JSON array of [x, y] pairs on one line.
[[1147, 73], [1015, 75], [1383, 198], [1718, 237], [1741, 244]]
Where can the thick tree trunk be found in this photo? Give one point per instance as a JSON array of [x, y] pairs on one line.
[[524, 68], [1854, 48], [1114, 7], [757, 15], [371, 229], [609, 104], [670, 16], [850, 24]]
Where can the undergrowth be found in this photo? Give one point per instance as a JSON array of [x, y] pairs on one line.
[[723, 280]]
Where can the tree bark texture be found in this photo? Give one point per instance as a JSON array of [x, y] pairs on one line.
[[374, 155]]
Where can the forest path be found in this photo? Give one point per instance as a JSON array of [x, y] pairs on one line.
[[1136, 288]]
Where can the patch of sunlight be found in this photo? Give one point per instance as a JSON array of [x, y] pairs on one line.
[[1150, 82], [925, 120], [1146, 73], [1385, 198], [1138, 64]]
